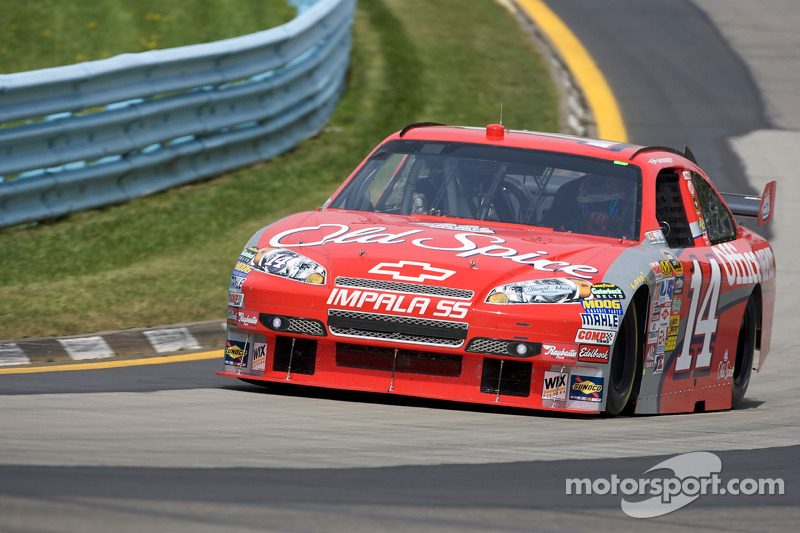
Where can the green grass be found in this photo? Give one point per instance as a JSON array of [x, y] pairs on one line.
[[37, 34], [167, 258]]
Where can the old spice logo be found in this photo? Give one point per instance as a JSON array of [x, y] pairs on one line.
[[594, 354], [468, 245], [557, 351], [412, 271]]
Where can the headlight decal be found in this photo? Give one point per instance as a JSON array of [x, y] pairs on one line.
[[289, 264], [553, 290]]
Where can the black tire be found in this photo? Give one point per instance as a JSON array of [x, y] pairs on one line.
[[624, 366], [745, 351]]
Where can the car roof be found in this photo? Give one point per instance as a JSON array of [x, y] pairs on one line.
[[497, 134]]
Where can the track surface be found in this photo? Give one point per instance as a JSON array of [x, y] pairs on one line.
[[173, 447]]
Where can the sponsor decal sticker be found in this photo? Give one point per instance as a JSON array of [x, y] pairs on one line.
[[611, 307], [672, 341], [594, 354], [586, 388], [674, 324], [595, 336], [559, 352], [674, 262], [555, 386], [665, 290], [607, 290], [659, 364], [236, 283], [678, 286], [656, 267], [236, 353], [655, 237], [725, 368], [247, 319], [602, 321], [650, 359], [259, 356], [242, 268], [248, 254], [235, 299]]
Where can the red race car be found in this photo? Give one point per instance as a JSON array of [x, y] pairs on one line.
[[513, 268]]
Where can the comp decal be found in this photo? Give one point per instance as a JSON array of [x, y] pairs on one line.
[[595, 336]]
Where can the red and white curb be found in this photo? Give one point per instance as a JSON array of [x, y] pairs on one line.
[[136, 341]]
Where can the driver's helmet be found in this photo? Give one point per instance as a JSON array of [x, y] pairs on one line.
[[599, 194]]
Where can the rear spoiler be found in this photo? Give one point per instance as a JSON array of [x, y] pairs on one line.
[[761, 207]]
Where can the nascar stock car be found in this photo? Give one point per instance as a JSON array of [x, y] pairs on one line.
[[516, 268]]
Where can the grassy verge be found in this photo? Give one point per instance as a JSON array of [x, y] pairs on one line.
[[167, 258], [49, 33]]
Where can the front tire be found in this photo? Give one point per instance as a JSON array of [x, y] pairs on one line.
[[625, 355], [745, 350]]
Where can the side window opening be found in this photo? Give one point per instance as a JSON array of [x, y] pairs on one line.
[[719, 223], [670, 212]]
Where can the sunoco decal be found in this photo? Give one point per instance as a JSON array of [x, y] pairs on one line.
[[586, 388], [469, 245], [235, 353]]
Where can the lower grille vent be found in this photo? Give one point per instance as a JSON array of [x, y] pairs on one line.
[[405, 329], [297, 356], [509, 378], [406, 361]]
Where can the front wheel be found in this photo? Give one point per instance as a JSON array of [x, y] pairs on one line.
[[745, 350], [625, 355]]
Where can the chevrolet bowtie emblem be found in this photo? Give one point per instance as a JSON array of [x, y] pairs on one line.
[[412, 271]]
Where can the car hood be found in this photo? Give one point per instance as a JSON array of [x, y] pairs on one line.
[[437, 251]]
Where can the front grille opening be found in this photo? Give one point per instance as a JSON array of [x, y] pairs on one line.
[[298, 357], [407, 329], [407, 361], [506, 377]]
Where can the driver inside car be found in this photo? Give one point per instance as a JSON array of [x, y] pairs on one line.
[[603, 205]]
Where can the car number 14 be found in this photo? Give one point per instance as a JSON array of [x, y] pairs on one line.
[[704, 322]]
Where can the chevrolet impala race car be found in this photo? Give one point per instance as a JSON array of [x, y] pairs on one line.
[[514, 268]]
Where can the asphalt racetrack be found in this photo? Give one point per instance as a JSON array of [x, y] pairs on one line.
[[173, 447]]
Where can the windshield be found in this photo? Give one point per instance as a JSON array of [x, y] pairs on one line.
[[475, 182]]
